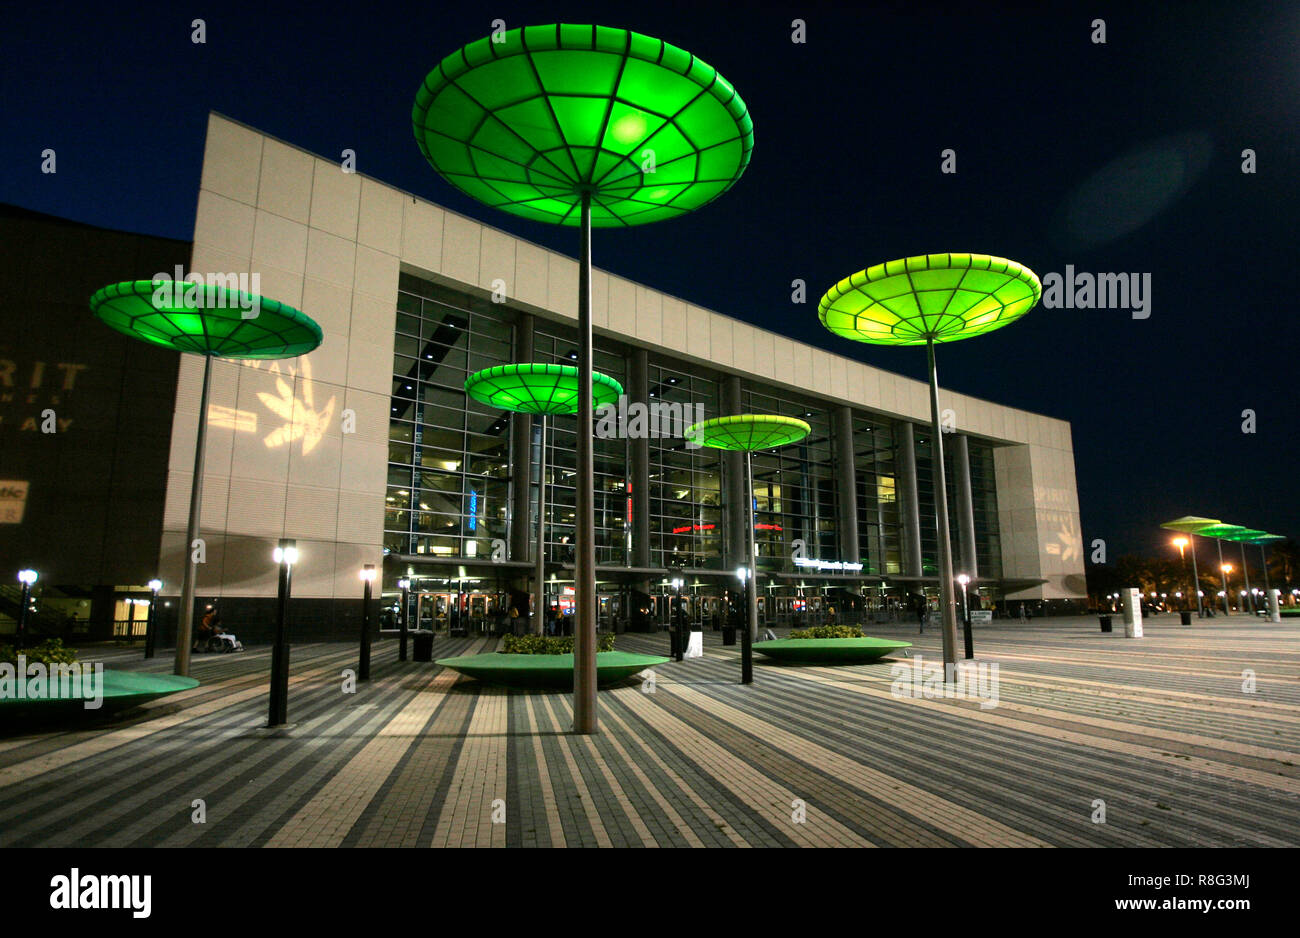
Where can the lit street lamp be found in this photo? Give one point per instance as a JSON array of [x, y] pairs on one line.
[[963, 579], [26, 578], [150, 629], [363, 665], [1226, 568], [1192, 525], [405, 586], [286, 555]]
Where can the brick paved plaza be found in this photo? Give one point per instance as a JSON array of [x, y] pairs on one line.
[[1158, 728]]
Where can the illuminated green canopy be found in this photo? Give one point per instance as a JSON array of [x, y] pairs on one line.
[[1245, 536], [205, 319], [1266, 539], [749, 431], [528, 122], [535, 388], [1221, 531], [1190, 524], [944, 297]]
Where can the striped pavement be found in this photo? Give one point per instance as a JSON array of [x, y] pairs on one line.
[[1187, 737]]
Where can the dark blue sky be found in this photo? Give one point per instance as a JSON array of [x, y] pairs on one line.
[[1118, 157]]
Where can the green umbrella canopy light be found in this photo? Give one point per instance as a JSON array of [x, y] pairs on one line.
[[1264, 539], [538, 389], [1245, 536], [205, 319], [1190, 524], [528, 123], [749, 432], [1221, 531], [944, 297]]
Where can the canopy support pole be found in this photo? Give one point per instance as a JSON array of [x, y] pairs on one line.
[[947, 596], [751, 579], [1196, 579], [185, 626], [584, 638], [539, 613]]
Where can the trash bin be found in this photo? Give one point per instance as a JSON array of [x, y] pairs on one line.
[[728, 635], [423, 646], [1105, 623], [1186, 618]]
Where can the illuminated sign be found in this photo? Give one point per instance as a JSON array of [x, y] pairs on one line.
[[473, 510], [693, 527], [827, 565], [13, 501]]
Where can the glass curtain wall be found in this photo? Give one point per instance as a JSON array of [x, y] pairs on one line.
[[794, 487], [554, 344], [448, 456], [686, 524], [876, 458]]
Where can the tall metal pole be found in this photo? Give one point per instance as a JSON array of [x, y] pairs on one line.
[[1223, 576], [1245, 572], [185, 626], [1263, 559], [363, 663], [279, 698], [947, 599], [584, 639], [405, 584], [150, 627], [1196, 578], [20, 633], [539, 623], [751, 579]]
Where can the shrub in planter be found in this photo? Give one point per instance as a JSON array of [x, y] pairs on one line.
[[549, 644], [50, 651], [828, 631]]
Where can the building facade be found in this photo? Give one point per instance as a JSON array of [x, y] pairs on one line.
[[85, 428], [367, 450]]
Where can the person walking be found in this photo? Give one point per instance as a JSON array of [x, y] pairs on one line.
[[1023, 617], [921, 614]]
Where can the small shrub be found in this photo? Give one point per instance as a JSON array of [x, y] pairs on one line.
[[50, 651], [828, 631], [550, 644]]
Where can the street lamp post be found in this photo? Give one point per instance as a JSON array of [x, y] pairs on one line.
[[675, 620], [1191, 525], [363, 664], [150, 627], [963, 579], [27, 578], [405, 585], [1225, 569], [286, 555]]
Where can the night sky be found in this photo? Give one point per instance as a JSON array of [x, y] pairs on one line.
[[1122, 157]]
